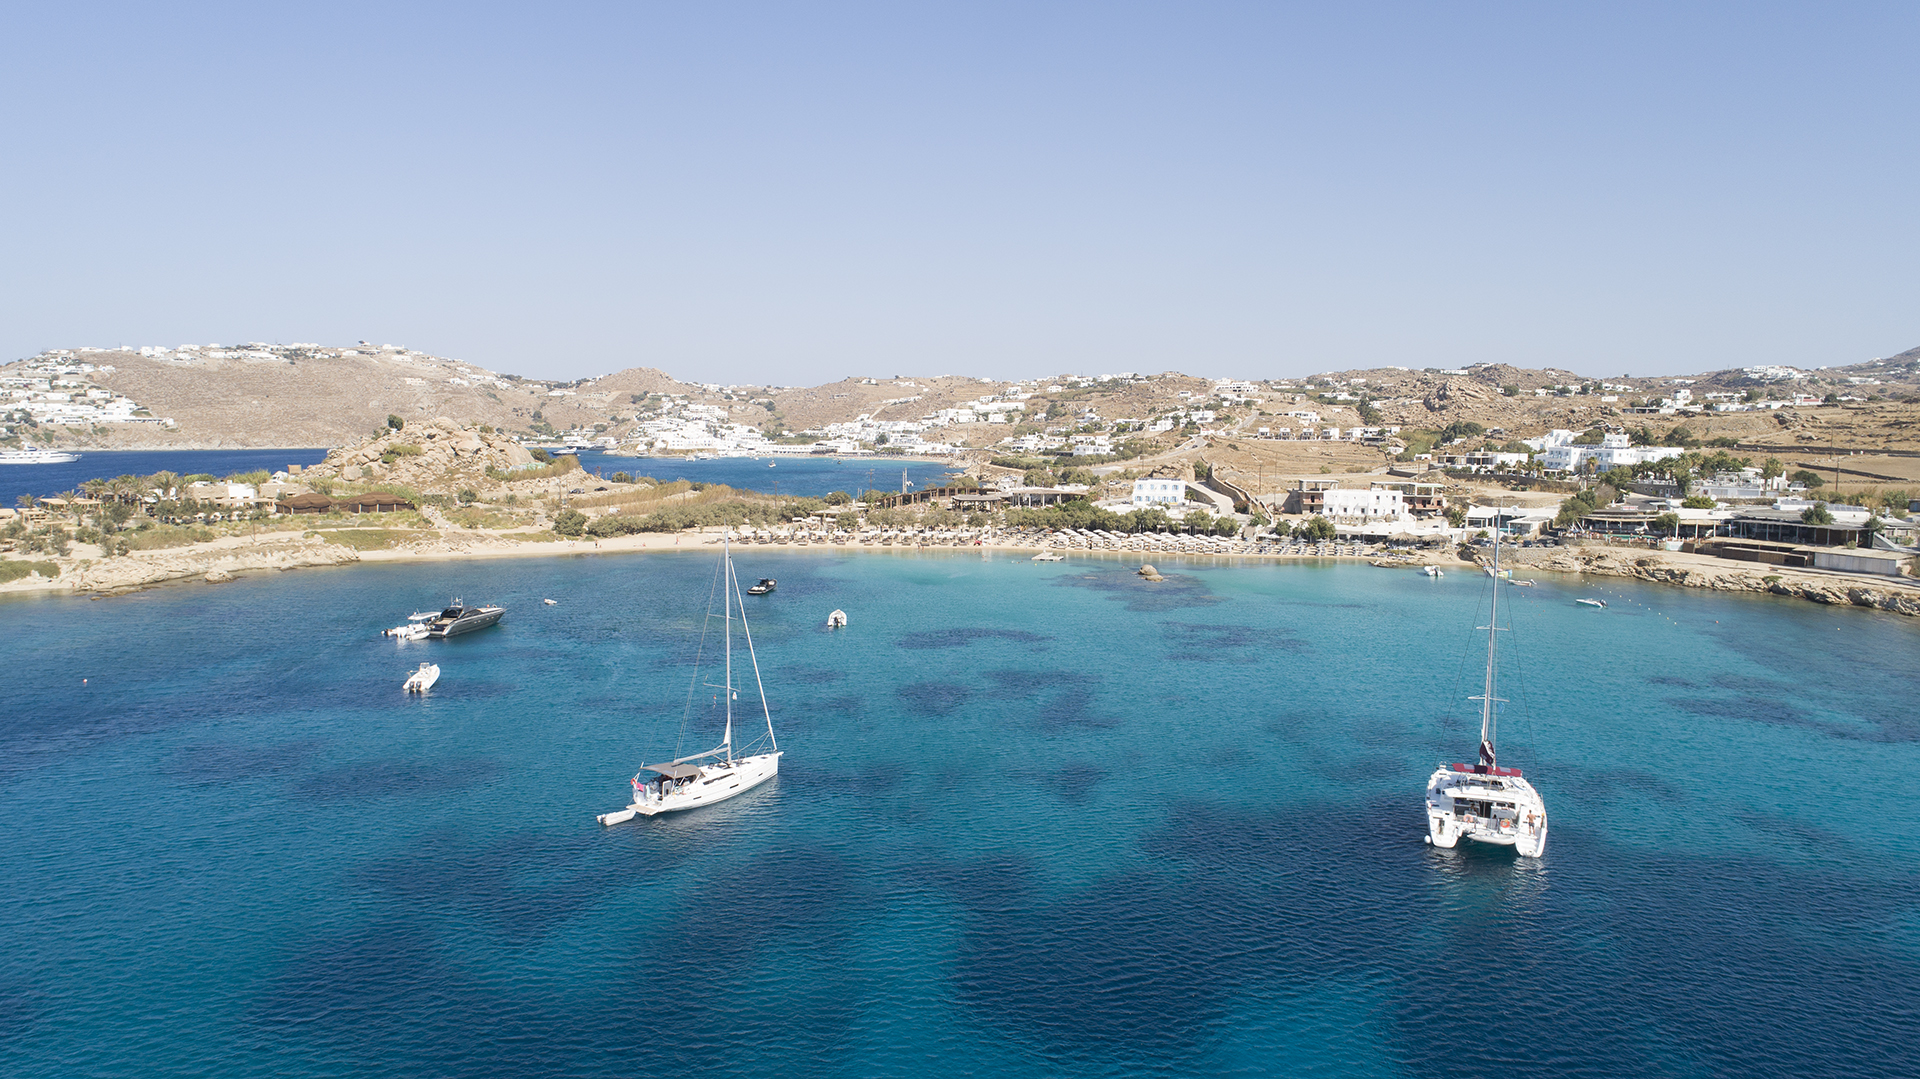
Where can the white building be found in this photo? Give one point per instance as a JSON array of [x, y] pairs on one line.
[[1560, 454], [1159, 492], [1347, 504]]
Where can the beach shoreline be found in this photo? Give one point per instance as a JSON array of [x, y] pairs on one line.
[[230, 557]]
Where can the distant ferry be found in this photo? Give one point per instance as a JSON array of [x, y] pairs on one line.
[[36, 457]]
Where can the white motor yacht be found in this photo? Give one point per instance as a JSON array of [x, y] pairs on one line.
[[1483, 801]]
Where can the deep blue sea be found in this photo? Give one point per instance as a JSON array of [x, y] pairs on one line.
[[46, 480], [806, 476], [1033, 821]]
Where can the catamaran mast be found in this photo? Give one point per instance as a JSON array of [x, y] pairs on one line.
[[1487, 721]]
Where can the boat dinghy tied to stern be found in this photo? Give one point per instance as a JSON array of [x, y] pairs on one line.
[[1482, 801], [717, 774]]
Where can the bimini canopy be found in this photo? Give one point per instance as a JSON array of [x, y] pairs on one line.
[[672, 771]]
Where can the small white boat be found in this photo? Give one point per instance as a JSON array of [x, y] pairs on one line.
[[548, 602], [1520, 584], [1432, 571], [415, 628], [1592, 602], [837, 620], [423, 679], [1048, 556]]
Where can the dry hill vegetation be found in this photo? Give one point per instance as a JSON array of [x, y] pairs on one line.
[[337, 397]]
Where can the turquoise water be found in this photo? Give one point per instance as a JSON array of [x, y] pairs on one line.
[[1033, 820]]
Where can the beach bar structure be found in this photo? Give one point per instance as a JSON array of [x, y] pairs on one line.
[[373, 502], [304, 503]]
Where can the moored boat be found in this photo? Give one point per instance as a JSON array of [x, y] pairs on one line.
[[1482, 801], [460, 618], [415, 627], [767, 584], [717, 774], [423, 679]]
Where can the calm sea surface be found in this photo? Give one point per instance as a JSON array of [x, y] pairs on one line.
[[46, 480], [807, 476], [1033, 821]]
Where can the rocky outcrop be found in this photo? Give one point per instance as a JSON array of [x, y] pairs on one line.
[[1696, 571], [1458, 393], [440, 455], [210, 563]]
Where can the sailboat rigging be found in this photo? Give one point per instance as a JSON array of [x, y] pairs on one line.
[[715, 775], [1483, 801]]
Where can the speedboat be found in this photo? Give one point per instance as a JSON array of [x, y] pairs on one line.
[[423, 679], [1432, 571], [767, 584], [837, 620], [415, 627], [460, 618], [1592, 602]]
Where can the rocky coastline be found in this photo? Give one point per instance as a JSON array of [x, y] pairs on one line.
[[1900, 596]]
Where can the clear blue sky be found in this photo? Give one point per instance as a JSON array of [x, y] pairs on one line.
[[797, 192]]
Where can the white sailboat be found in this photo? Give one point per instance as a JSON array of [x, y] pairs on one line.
[[715, 775], [1483, 801]]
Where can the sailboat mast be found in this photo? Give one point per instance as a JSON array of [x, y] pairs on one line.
[[726, 597], [1487, 723]]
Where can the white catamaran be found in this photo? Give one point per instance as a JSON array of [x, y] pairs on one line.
[[715, 775], [1483, 801]]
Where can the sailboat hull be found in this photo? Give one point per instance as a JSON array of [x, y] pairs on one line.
[[715, 783]]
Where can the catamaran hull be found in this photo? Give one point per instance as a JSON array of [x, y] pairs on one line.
[[1504, 811], [714, 785], [1447, 835]]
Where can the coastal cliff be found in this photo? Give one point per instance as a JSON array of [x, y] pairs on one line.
[[1701, 571]]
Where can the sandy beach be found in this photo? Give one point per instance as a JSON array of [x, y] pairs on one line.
[[84, 573]]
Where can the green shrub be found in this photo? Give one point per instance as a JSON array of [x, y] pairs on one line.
[[371, 539], [11, 570]]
